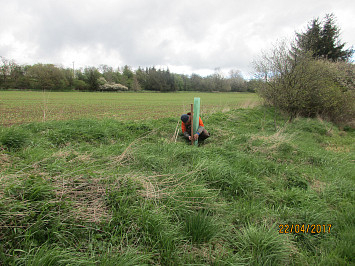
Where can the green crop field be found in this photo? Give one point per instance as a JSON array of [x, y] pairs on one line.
[[21, 107], [99, 189]]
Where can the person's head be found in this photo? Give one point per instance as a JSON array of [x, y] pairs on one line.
[[185, 118]]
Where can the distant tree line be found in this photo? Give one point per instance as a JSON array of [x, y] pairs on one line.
[[106, 78]]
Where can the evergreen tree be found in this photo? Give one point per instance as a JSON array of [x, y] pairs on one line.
[[322, 40]]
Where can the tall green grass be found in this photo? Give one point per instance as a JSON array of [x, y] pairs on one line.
[[107, 192]]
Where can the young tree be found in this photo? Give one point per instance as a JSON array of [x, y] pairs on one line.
[[322, 40]]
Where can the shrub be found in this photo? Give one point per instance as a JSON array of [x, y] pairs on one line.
[[113, 87], [301, 85]]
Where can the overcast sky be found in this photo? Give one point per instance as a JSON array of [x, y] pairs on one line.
[[188, 36]]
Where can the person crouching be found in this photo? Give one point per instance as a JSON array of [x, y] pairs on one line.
[[201, 134]]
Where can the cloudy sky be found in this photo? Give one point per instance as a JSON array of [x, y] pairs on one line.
[[188, 36]]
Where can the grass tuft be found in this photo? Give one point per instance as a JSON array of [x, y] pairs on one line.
[[261, 245], [200, 227], [14, 138]]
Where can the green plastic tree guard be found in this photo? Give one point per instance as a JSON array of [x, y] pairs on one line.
[[196, 116]]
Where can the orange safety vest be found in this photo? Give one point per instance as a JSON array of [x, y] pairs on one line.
[[183, 126]]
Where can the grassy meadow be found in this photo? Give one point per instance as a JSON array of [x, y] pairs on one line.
[[108, 191], [18, 107]]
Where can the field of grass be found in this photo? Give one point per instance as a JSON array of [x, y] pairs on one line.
[[110, 192], [21, 107]]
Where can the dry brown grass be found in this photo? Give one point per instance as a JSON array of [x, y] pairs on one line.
[[5, 161], [270, 143], [337, 148], [77, 157], [208, 253], [126, 155], [318, 186], [86, 195], [249, 104], [178, 188]]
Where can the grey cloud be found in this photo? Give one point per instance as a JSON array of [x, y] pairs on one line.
[[199, 34]]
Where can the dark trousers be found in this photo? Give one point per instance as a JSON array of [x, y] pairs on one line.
[[204, 134]]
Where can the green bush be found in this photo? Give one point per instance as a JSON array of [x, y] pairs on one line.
[[308, 87]]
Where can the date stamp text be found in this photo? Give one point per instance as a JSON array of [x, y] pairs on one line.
[[304, 228]]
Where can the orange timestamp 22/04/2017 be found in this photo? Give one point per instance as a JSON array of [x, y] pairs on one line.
[[304, 228]]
